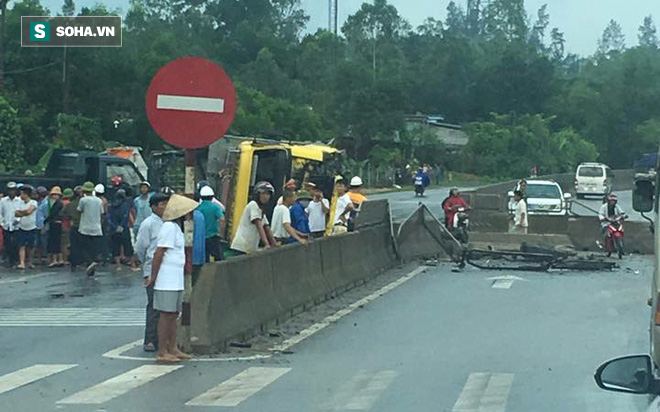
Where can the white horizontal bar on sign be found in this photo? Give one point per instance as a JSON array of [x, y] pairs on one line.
[[190, 103]]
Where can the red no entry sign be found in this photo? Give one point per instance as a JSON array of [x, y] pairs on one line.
[[191, 102]]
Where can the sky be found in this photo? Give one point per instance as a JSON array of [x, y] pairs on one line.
[[581, 21]]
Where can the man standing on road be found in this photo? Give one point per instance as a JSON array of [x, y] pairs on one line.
[[519, 223], [317, 210], [167, 275], [26, 212], [40, 234], [342, 210], [71, 212], [145, 246], [214, 219], [282, 230], [298, 214], [142, 208], [91, 229], [254, 226], [8, 206]]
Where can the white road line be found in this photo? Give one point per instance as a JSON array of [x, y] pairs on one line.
[[497, 393], [119, 385], [46, 317], [503, 284], [348, 390], [31, 374], [472, 393], [234, 391], [117, 353], [190, 103], [485, 392], [376, 385]]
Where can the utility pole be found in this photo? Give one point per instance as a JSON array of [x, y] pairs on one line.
[[333, 7]]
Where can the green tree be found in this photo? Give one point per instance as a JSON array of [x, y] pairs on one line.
[[613, 41], [11, 141], [648, 34]]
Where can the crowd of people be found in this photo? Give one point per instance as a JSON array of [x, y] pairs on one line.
[[298, 217]]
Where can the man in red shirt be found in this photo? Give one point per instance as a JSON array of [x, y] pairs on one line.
[[451, 205]]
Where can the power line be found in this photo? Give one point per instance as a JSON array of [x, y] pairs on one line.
[[19, 71]]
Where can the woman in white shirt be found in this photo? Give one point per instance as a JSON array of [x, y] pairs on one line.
[[167, 275]]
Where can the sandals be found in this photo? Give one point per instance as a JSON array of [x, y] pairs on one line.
[[167, 359], [183, 356]]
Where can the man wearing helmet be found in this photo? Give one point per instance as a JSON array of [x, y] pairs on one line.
[[609, 211], [254, 226], [451, 205]]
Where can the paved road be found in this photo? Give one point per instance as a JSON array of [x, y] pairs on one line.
[[405, 203], [440, 341]]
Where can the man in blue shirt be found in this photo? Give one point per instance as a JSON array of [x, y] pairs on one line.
[[142, 208], [214, 221], [299, 218], [42, 214]]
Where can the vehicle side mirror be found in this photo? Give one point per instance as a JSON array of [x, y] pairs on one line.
[[567, 196], [643, 195], [630, 374]]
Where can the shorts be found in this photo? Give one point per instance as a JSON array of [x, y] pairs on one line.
[[27, 238], [168, 300]]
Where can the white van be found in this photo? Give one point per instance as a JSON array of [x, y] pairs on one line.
[[593, 179]]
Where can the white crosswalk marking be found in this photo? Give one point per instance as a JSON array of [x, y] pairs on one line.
[[119, 385], [361, 391], [237, 389], [28, 375], [484, 392], [72, 317]]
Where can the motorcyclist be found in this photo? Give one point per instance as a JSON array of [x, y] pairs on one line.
[[451, 205], [608, 212], [421, 180]]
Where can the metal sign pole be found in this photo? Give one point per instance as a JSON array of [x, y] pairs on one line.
[[184, 329]]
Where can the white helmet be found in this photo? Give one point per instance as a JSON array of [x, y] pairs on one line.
[[356, 181], [100, 189], [206, 191]]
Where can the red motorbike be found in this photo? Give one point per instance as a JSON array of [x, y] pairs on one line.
[[614, 238]]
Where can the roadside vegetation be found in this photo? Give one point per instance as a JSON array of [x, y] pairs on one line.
[[505, 76]]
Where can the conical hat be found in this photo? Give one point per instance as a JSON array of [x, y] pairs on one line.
[[178, 206]]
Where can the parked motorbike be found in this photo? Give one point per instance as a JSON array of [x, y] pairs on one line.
[[460, 226], [614, 239]]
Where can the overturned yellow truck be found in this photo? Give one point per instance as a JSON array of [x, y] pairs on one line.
[[233, 165]]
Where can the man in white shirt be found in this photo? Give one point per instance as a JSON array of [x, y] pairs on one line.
[[145, 246], [26, 212], [519, 222], [91, 226], [342, 210], [8, 206], [317, 210], [254, 226], [282, 229]]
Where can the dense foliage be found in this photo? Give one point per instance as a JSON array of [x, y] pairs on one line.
[[524, 100]]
